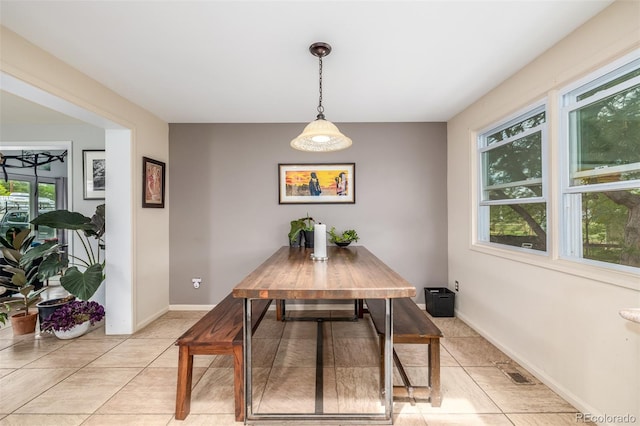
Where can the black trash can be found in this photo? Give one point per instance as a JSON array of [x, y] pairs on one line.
[[439, 301]]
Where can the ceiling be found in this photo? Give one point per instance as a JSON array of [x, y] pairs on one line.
[[248, 61]]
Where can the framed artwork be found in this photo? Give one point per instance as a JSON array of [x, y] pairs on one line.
[[93, 174], [153, 173], [321, 183]]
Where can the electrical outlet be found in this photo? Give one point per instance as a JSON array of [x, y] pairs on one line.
[[457, 286], [196, 282]]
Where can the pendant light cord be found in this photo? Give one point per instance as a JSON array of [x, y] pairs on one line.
[[320, 107]]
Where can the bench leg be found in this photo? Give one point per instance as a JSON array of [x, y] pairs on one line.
[[434, 372], [280, 309], [238, 382], [381, 340], [185, 375]]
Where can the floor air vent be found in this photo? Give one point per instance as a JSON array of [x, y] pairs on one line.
[[519, 378], [513, 373]]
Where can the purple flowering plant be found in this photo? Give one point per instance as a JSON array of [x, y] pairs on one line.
[[72, 314]]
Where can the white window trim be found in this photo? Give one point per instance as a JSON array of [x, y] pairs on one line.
[[569, 198], [607, 170], [558, 154], [481, 233]]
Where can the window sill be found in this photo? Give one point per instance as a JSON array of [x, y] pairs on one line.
[[583, 269]]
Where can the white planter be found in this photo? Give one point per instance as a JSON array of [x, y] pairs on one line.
[[76, 331]]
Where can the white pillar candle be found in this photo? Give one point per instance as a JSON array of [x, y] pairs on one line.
[[320, 240]]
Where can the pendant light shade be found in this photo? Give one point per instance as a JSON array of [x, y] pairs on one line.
[[320, 135]]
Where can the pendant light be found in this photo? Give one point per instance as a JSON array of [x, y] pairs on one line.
[[320, 135]]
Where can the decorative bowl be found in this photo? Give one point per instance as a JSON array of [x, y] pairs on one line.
[[342, 244]]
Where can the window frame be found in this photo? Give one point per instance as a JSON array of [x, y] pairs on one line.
[[483, 204], [569, 200]]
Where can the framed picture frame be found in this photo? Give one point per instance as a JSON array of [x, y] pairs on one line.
[[317, 183], [93, 174], [153, 183]]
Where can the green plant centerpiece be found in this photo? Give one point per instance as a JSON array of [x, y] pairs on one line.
[[299, 227], [85, 275], [343, 239]]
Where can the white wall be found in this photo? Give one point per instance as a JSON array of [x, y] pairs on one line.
[[226, 220], [145, 295], [557, 318]]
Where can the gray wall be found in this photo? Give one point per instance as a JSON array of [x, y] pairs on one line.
[[225, 218]]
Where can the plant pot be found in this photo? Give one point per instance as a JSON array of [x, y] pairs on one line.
[[24, 323], [297, 242], [77, 331], [47, 307], [308, 239], [342, 243]]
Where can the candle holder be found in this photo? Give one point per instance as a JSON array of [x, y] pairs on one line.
[[319, 258]]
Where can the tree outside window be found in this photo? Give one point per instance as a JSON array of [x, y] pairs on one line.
[[603, 123]]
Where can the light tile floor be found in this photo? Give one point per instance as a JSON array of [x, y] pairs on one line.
[[131, 380]]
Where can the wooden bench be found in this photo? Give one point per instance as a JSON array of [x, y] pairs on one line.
[[410, 325], [219, 332]]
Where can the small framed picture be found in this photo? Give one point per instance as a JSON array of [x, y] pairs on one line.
[[153, 176], [328, 183], [94, 174]]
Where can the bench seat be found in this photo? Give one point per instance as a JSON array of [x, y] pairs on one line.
[[410, 325], [219, 332]]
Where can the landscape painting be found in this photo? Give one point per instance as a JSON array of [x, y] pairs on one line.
[[322, 183]]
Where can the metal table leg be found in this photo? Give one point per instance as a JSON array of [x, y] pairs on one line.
[[340, 418], [246, 340], [388, 358]]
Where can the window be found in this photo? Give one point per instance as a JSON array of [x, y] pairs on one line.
[[17, 205], [513, 207], [601, 183]]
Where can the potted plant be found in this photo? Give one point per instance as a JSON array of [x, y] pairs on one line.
[[299, 227], [295, 233], [73, 319], [343, 239], [25, 322], [49, 306], [86, 274], [16, 243], [27, 265]]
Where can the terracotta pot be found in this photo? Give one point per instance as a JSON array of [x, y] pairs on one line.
[[24, 324]]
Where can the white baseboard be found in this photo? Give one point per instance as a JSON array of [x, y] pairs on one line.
[[571, 398]]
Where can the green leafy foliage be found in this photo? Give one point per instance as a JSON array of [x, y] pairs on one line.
[[346, 237], [83, 284], [86, 274], [299, 225], [23, 264]]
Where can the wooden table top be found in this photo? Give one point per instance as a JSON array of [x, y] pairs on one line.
[[350, 273]]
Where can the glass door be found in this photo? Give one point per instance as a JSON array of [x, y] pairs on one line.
[[18, 206]]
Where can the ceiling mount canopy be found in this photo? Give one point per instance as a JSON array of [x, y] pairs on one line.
[[320, 135]]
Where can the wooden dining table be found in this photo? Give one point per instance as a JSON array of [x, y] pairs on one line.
[[348, 273]]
